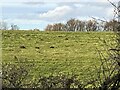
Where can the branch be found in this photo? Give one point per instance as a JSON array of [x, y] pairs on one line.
[[113, 4], [99, 19]]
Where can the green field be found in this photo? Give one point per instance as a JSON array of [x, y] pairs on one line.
[[55, 52]]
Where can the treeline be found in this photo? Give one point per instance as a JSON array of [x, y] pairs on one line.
[[79, 25], [4, 26]]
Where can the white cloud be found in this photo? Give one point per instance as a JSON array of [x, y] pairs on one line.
[[78, 10], [56, 14]]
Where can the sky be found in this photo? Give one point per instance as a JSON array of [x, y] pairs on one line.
[[29, 14]]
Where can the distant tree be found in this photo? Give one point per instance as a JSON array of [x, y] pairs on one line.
[[80, 25], [3, 25], [49, 27], [58, 27], [100, 26], [111, 25], [14, 27], [36, 29], [91, 25], [71, 25], [55, 27]]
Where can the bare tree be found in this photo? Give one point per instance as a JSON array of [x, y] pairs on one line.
[[3, 25], [14, 27], [75, 25], [111, 25], [58, 27], [80, 25], [71, 25], [49, 27], [55, 27], [91, 25]]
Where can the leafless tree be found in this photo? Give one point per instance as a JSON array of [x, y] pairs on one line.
[[3, 25], [14, 27]]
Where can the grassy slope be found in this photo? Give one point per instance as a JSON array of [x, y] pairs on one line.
[[73, 52]]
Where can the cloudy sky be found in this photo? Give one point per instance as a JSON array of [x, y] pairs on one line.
[[29, 14]]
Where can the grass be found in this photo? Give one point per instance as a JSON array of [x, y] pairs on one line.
[[56, 52]]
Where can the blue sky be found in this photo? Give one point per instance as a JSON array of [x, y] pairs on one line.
[[29, 14]]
